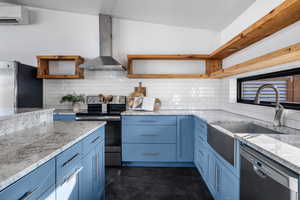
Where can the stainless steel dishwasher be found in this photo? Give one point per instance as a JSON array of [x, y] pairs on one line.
[[265, 179]]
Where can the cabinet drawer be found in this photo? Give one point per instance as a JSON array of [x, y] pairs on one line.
[[150, 120], [201, 157], [149, 152], [149, 134], [68, 161], [34, 185], [92, 140], [200, 129]]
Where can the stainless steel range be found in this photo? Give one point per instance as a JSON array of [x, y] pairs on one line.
[[101, 108]]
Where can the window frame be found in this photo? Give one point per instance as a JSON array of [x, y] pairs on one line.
[[295, 71]]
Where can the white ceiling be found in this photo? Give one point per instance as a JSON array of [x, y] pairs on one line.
[[209, 14]]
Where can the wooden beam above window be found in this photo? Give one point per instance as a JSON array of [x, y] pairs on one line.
[[282, 16], [281, 56]]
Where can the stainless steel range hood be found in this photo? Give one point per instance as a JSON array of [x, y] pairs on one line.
[[105, 62]]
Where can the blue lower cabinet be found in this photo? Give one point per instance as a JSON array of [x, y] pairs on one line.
[[37, 185], [64, 117], [149, 134], [68, 168], [201, 158], [78, 173], [185, 138], [92, 176], [223, 184], [211, 175], [87, 176], [228, 185], [149, 152]]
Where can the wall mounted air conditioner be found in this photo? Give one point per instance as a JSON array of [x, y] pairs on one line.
[[13, 15]]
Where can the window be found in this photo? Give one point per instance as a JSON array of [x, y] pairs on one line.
[[287, 82]]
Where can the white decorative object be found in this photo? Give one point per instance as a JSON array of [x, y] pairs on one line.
[[143, 103], [148, 104], [76, 107]]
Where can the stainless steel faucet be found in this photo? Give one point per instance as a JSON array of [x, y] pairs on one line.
[[279, 109]]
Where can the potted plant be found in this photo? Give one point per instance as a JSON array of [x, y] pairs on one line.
[[75, 100]]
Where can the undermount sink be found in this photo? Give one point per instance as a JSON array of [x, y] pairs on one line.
[[223, 144], [246, 127]]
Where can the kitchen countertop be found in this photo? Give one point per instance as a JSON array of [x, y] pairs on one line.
[[283, 148], [25, 150], [4, 115], [210, 116]]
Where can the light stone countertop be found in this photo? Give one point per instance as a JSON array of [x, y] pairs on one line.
[[25, 150], [283, 148], [210, 116], [23, 112]]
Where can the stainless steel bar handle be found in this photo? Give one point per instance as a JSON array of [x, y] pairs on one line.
[[149, 134], [72, 158], [151, 154], [95, 139], [28, 194], [259, 172], [150, 121], [75, 173]]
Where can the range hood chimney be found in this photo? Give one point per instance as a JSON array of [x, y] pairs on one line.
[[105, 62]]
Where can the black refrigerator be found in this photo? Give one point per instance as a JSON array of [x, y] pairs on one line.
[[19, 87]]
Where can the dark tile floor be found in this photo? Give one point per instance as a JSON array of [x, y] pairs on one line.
[[146, 183]]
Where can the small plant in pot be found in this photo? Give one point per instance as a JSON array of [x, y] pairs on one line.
[[75, 100]]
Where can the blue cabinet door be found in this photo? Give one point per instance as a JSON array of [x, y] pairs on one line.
[[68, 188], [92, 177], [185, 139], [211, 178], [37, 185], [201, 158], [223, 184], [68, 168], [228, 185], [86, 176], [100, 174]]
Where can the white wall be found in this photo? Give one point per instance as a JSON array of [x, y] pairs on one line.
[[63, 33], [281, 39], [256, 11], [131, 37], [51, 33]]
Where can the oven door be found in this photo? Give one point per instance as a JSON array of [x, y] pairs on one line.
[[113, 137], [113, 143]]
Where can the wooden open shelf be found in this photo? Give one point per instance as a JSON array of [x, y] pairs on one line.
[[168, 57], [43, 67], [167, 76], [282, 16], [165, 57], [281, 56]]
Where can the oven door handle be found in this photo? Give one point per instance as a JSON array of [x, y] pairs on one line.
[[99, 118]]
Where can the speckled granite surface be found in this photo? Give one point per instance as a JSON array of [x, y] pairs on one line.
[[24, 119], [283, 148], [23, 151], [210, 116]]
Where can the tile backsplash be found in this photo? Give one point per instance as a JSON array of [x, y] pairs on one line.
[[174, 93]]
